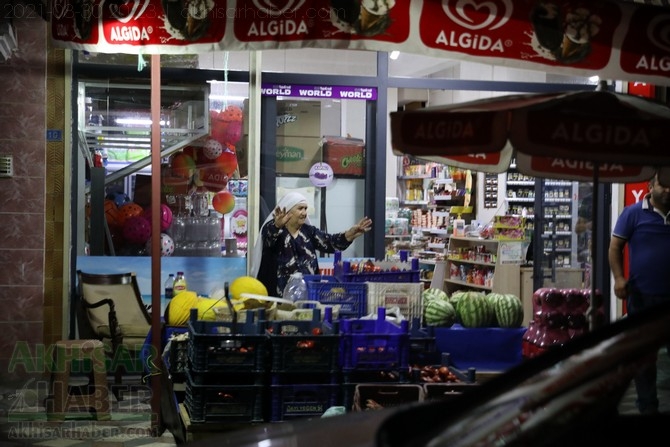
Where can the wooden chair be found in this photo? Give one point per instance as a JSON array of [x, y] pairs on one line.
[[111, 310]]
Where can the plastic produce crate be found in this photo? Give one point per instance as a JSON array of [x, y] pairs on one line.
[[406, 270], [292, 401], [378, 396], [232, 402], [374, 344], [422, 345], [221, 346], [351, 379], [304, 346], [352, 297], [405, 296]]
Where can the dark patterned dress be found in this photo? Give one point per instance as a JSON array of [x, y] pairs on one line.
[[284, 254]]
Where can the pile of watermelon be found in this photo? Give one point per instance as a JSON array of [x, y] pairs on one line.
[[472, 309]]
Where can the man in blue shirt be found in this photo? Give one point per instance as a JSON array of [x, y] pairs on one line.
[[645, 228]]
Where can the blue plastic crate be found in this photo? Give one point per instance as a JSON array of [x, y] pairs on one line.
[[408, 271], [352, 297], [304, 346], [224, 403], [221, 346], [374, 344]]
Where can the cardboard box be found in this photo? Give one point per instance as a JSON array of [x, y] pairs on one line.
[[345, 155], [298, 118], [296, 155]]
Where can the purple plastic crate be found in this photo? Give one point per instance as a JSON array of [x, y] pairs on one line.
[[374, 344], [351, 297], [344, 272]]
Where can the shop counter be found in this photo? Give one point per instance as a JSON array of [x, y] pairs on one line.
[[485, 349]]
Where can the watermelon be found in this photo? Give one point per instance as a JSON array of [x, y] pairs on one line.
[[439, 312], [508, 311], [456, 296], [493, 298], [434, 293], [474, 310]]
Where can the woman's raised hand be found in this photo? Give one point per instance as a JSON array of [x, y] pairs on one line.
[[281, 217]]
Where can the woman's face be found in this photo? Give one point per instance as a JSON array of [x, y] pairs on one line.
[[298, 214]]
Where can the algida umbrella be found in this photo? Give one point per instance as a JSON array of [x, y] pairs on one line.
[[598, 136]]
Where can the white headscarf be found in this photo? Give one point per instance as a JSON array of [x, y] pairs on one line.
[[288, 201]]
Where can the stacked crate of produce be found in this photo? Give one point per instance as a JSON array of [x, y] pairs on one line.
[[373, 351], [228, 364], [304, 368]]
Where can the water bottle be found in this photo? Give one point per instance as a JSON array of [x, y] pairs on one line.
[[179, 283], [296, 288], [169, 287]]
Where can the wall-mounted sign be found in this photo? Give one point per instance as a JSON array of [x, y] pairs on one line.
[[321, 174], [320, 91]]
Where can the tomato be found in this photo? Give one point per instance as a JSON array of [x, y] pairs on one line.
[[316, 331]]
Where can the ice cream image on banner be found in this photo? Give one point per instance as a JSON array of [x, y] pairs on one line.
[[565, 33], [188, 19], [364, 17], [580, 27]]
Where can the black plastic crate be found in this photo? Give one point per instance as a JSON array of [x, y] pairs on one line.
[[304, 346], [221, 346], [296, 401], [226, 378], [224, 403]]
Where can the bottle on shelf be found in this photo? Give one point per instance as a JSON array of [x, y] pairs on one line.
[[180, 283], [169, 287]]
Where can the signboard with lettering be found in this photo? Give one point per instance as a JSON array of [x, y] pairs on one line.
[[572, 37], [566, 135]]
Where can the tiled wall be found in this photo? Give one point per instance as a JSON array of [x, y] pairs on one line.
[[31, 204]]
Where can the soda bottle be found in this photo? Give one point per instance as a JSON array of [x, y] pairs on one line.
[[169, 287], [179, 283]]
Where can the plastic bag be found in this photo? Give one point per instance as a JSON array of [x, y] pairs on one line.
[[296, 288]]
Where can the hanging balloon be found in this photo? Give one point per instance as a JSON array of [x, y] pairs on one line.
[[223, 202], [232, 113], [233, 132], [212, 178], [212, 149], [182, 165], [227, 162]]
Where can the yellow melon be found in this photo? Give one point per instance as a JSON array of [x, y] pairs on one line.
[[246, 284], [206, 308], [179, 308]]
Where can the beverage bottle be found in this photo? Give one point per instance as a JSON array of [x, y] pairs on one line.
[[169, 287], [296, 288], [179, 283]]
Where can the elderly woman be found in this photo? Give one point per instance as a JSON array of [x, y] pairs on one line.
[[288, 243]]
